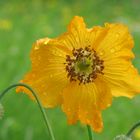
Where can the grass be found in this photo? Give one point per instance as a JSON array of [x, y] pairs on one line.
[[23, 22]]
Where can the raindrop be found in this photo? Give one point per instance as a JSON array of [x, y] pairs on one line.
[[59, 54], [46, 42], [39, 57], [69, 109], [118, 47], [112, 50], [44, 93], [54, 52], [108, 105], [117, 35], [87, 41], [86, 112], [77, 39], [132, 66], [49, 105], [36, 47], [80, 116], [88, 121], [33, 75], [101, 53]]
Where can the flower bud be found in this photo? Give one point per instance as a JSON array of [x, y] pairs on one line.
[[122, 137]]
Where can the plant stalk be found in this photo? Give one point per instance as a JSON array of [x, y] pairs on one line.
[[39, 104], [132, 129], [89, 133]]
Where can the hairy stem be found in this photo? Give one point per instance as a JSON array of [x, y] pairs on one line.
[[39, 104]]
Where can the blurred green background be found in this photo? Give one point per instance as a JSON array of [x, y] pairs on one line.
[[23, 22]]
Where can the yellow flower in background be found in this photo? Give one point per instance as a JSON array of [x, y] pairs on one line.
[[83, 69], [5, 24]]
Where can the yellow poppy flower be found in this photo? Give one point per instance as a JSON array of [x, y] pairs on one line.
[[83, 69]]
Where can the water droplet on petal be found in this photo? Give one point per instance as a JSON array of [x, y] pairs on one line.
[[101, 53], [87, 41], [77, 39], [36, 47], [86, 112], [44, 93], [117, 47], [117, 35], [33, 75], [49, 105], [54, 52], [132, 66], [88, 121], [108, 105], [39, 57], [80, 115], [69, 109], [46, 42], [112, 50], [60, 54]]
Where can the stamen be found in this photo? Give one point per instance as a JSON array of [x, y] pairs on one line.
[[84, 65]]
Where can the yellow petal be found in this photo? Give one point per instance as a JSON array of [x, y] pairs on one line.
[[77, 31], [85, 102], [76, 36], [96, 35], [126, 83], [48, 76], [117, 43], [115, 49]]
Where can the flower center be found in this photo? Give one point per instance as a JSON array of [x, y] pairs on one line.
[[83, 65]]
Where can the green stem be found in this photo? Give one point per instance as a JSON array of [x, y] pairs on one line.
[[89, 133], [132, 129], [39, 104]]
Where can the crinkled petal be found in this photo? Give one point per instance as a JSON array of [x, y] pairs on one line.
[[77, 35], [96, 36], [117, 42], [125, 83], [85, 102], [115, 50], [48, 76]]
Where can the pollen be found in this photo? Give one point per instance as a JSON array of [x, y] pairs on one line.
[[83, 65]]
